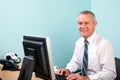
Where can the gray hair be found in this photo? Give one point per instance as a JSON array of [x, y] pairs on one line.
[[88, 12]]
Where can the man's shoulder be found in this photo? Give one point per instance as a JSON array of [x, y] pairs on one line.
[[102, 41], [79, 40]]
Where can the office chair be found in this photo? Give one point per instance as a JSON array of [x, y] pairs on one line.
[[117, 62]]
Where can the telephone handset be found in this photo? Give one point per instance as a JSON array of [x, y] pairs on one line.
[[8, 65]]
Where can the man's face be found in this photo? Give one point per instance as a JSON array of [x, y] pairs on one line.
[[86, 25]]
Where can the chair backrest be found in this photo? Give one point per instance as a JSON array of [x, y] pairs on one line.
[[117, 62]]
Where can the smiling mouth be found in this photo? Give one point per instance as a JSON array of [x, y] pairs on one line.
[[83, 30]]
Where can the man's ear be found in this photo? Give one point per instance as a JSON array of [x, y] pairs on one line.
[[95, 23]]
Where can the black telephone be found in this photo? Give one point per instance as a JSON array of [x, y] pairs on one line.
[[8, 65]]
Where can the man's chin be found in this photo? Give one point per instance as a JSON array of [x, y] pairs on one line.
[[83, 35]]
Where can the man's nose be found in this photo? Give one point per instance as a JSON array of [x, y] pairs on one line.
[[83, 25]]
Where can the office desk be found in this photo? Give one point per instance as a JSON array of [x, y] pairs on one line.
[[13, 75]]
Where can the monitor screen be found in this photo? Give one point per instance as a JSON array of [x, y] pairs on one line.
[[40, 49]]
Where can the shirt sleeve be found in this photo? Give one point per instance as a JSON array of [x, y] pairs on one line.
[[74, 64], [76, 60]]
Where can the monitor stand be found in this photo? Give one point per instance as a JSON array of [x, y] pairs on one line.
[[27, 68]]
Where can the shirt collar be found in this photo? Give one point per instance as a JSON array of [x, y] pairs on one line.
[[91, 38]]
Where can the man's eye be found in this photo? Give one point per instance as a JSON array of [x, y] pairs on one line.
[[80, 23], [86, 23]]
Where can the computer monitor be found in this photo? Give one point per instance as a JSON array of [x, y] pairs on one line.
[[27, 68], [40, 49]]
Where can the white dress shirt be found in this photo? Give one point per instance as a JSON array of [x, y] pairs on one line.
[[101, 63]]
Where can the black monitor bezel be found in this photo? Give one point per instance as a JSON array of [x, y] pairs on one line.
[[38, 42]]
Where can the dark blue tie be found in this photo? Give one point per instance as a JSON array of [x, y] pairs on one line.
[[85, 59]]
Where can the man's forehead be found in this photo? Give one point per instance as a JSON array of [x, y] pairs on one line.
[[85, 17]]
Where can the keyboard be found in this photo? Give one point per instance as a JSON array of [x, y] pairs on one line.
[[60, 77]]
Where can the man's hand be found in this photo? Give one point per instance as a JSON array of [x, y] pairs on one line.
[[64, 72], [76, 77]]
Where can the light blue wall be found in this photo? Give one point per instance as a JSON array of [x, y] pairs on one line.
[[53, 18], [108, 16]]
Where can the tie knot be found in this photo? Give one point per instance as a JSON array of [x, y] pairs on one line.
[[85, 41]]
